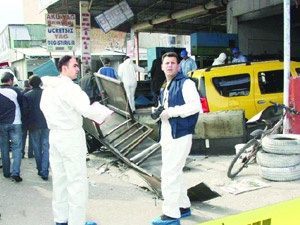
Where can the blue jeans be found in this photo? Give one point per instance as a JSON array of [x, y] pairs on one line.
[[11, 138], [30, 149], [40, 143]]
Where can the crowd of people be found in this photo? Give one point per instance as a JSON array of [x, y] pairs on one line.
[[127, 73], [50, 112], [20, 116]]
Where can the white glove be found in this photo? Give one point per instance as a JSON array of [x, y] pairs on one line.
[[153, 109], [102, 113], [164, 115]]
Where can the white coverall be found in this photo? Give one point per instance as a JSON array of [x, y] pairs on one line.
[[63, 104], [127, 74], [175, 152], [220, 60]]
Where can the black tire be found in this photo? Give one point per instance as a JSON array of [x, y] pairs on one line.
[[239, 162], [284, 144]]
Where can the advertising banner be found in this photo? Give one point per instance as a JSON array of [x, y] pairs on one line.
[[85, 35], [60, 20], [61, 38], [61, 32]]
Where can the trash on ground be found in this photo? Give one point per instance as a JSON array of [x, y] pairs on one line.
[[244, 185]]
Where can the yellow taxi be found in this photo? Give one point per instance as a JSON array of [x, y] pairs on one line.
[[249, 86]]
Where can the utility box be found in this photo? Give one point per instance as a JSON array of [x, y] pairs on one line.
[[207, 46], [217, 133], [205, 39]]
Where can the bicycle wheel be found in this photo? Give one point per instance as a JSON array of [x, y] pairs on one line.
[[242, 158]]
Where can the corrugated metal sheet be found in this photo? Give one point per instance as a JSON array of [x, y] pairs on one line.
[[19, 32], [37, 31]]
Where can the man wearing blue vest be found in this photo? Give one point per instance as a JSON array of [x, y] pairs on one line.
[[181, 103]]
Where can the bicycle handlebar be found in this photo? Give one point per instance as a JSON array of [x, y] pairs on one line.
[[286, 107]]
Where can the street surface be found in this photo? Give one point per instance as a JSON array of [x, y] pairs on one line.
[[118, 196]]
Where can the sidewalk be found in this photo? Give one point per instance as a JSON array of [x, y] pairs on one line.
[[118, 196]]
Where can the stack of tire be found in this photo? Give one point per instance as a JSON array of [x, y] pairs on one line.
[[279, 159]]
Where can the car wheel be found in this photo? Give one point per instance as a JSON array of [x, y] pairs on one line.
[[284, 144], [271, 160], [280, 174]]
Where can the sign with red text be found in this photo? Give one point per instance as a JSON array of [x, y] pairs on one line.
[[60, 20], [61, 39], [60, 32], [85, 35]]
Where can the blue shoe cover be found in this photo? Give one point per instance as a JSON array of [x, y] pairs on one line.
[[159, 221], [90, 223], [61, 223], [188, 213]]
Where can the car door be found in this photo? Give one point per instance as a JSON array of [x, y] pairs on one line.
[[231, 89], [268, 86]]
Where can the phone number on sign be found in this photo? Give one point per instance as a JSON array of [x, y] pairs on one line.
[[52, 42]]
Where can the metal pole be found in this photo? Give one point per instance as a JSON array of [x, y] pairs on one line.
[[287, 58]]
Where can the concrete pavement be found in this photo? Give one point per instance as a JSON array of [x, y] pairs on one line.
[[118, 196]]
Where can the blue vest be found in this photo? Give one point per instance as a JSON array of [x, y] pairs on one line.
[[180, 126]]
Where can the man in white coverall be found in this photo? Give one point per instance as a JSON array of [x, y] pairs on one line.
[[63, 104], [177, 123], [127, 74]]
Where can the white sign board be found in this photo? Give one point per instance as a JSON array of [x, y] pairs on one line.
[[85, 35], [114, 17], [60, 20], [61, 39]]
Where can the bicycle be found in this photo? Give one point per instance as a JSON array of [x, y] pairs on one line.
[[248, 152]]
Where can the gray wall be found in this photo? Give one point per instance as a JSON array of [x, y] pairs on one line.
[[265, 36]]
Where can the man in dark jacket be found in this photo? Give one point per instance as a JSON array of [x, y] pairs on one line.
[[157, 77], [38, 130], [10, 127], [25, 130], [88, 85]]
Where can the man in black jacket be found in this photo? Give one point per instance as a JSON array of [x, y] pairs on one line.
[[157, 77], [37, 125]]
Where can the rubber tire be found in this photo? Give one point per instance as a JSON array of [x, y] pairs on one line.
[[284, 144], [280, 174], [271, 160]]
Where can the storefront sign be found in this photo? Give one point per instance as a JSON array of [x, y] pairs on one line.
[[60, 20], [61, 32], [61, 38], [85, 35]]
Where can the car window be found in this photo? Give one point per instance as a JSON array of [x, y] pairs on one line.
[[202, 89], [270, 81], [298, 71], [233, 85]]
